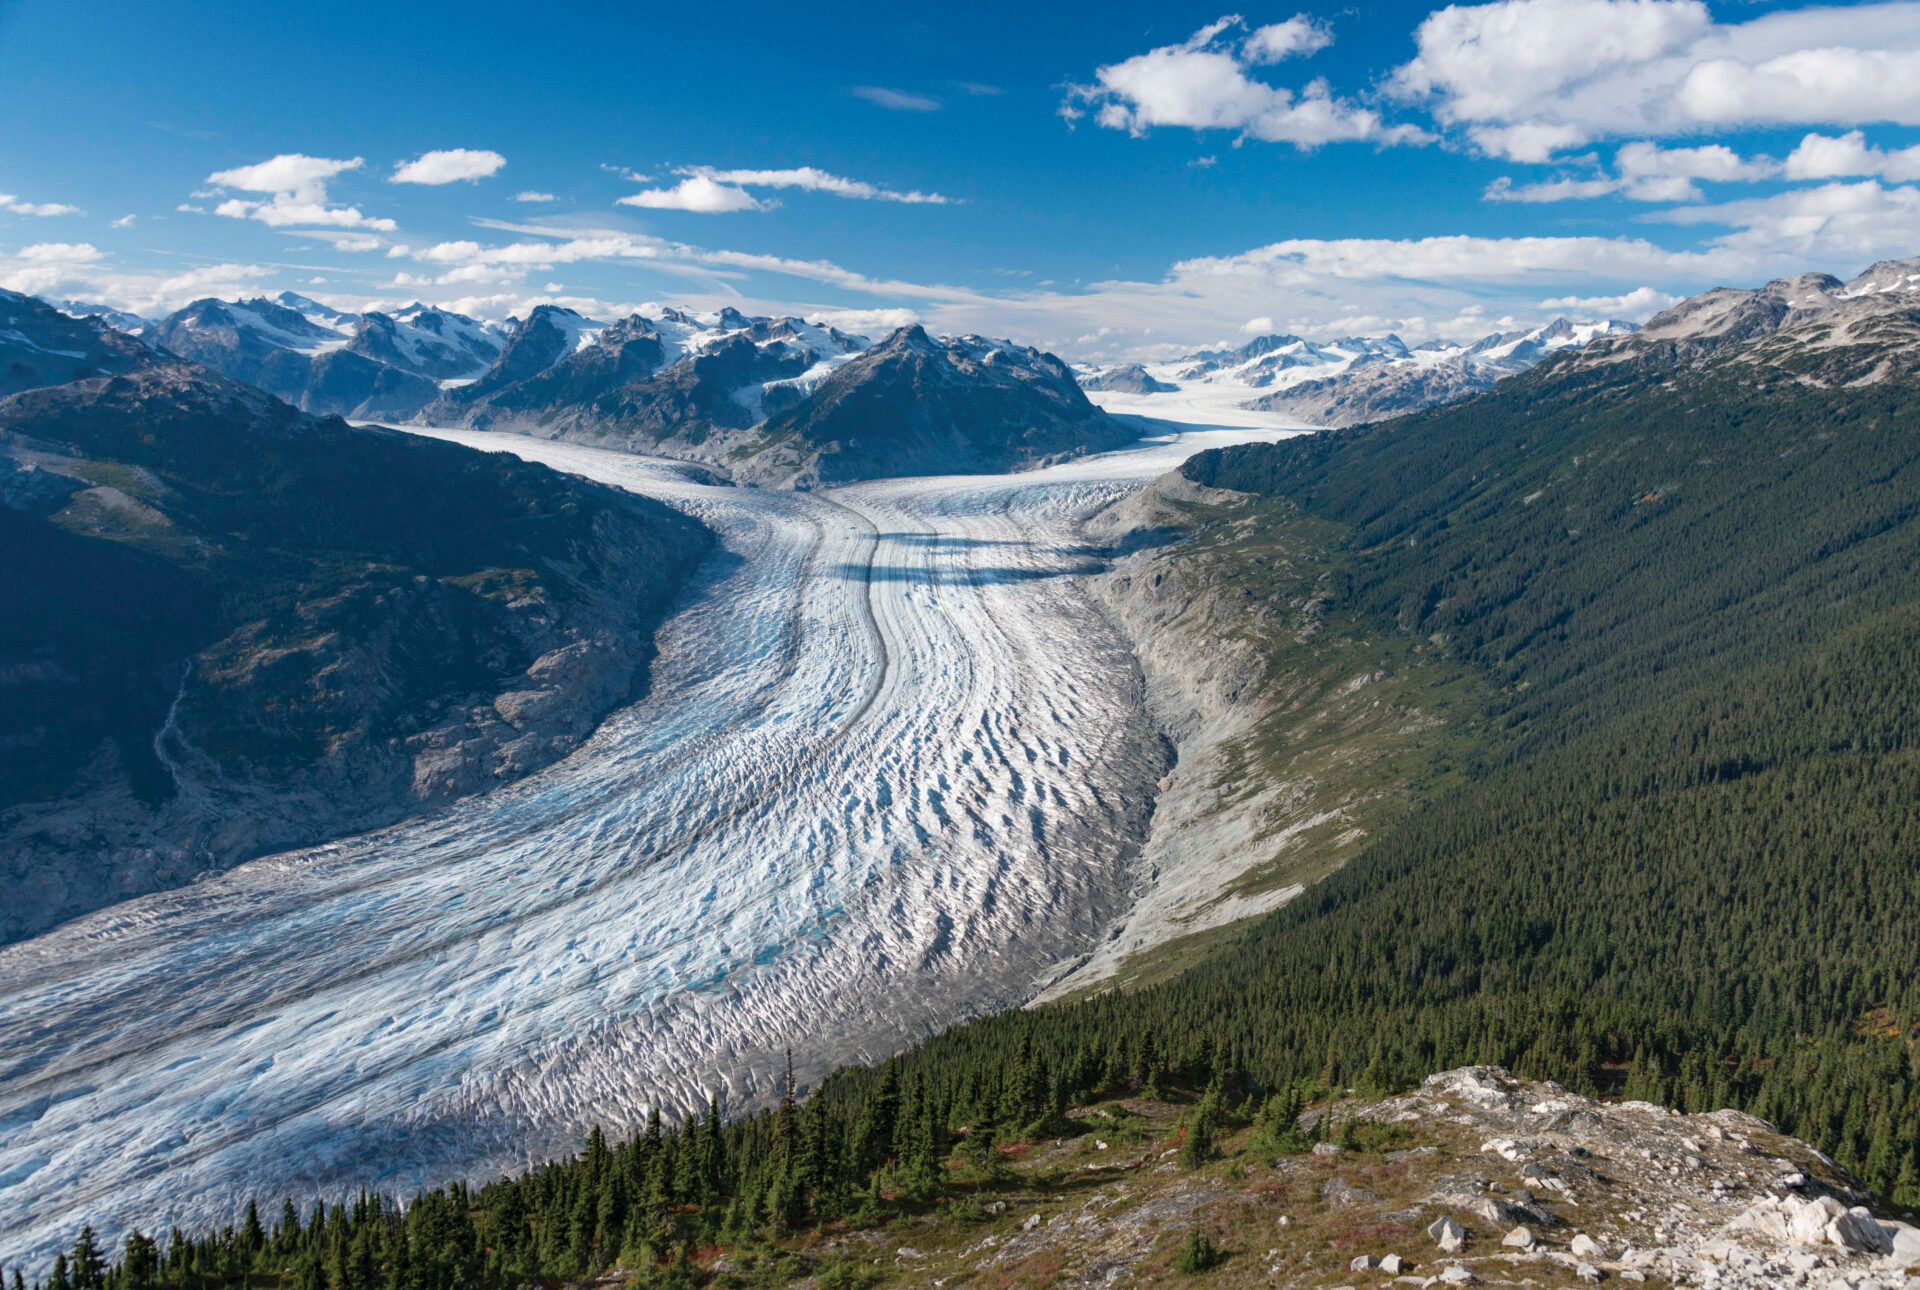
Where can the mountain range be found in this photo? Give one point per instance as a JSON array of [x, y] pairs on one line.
[[234, 627], [778, 401], [1350, 380]]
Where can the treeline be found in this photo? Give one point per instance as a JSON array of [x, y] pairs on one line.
[[1686, 869]]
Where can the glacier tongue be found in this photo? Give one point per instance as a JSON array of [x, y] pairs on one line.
[[892, 771]]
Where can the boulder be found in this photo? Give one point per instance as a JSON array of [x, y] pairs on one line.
[[1447, 1234], [1585, 1247]]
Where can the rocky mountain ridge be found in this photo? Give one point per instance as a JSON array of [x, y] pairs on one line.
[[236, 628], [1821, 330], [323, 361], [1351, 380], [916, 404]]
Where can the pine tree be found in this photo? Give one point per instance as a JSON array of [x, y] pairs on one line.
[[88, 1264]]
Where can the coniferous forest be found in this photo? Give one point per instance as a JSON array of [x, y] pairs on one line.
[[1682, 866]]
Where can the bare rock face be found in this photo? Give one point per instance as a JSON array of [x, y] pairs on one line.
[[1641, 1193]]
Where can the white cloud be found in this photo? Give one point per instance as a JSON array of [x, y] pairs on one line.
[[814, 180], [60, 253], [125, 221], [297, 193], [695, 193], [1527, 78], [1715, 162], [865, 322], [1637, 305], [1203, 84], [1261, 326], [345, 241], [1297, 36], [1504, 189], [15, 206], [1862, 221], [1819, 156], [896, 100], [1645, 172], [81, 269], [531, 196], [1827, 84], [448, 166]]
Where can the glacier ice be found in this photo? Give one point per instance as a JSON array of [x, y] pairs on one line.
[[892, 771]]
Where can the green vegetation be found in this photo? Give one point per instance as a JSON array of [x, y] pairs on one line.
[[1197, 1254]]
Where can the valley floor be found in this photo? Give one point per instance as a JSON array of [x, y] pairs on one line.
[[894, 770]]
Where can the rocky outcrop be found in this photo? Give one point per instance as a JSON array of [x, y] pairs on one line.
[[234, 628], [1539, 1181], [1475, 1178]]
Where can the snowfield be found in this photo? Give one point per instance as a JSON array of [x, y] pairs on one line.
[[893, 771]]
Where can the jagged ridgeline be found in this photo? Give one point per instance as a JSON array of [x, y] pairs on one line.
[[231, 627], [1682, 866]]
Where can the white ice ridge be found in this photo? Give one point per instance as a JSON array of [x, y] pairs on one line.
[[892, 770]]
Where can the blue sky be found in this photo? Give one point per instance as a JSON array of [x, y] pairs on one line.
[[1104, 180]]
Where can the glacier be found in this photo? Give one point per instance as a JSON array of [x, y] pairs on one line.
[[893, 770]]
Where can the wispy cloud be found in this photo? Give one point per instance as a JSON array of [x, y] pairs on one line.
[[709, 190], [897, 100], [531, 196]]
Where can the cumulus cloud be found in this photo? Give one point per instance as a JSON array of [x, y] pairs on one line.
[[896, 100], [532, 196], [1645, 172], [1820, 156], [1260, 326], [448, 166], [15, 206], [1863, 221], [1637, 305], [1296, 36], [125, 221], [1525, 79], [1204, 83], [60, 253], [698, 193], [296, 188]]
